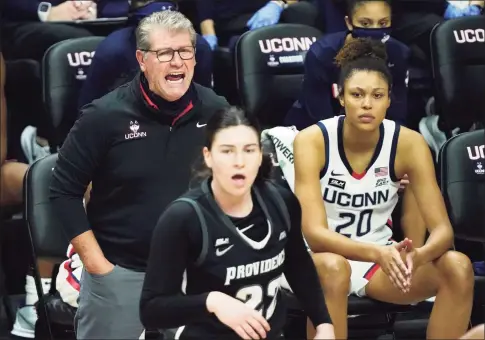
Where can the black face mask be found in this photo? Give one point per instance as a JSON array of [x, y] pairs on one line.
[[373, 33]]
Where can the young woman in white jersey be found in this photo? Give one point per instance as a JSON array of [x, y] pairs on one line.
[[355, 162]]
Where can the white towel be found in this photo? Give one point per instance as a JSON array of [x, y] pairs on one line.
[[68, 281], [282, 138]]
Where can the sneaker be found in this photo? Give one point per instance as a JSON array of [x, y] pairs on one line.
[[428, 126], [26, 317], [24, 326], [32, 150]]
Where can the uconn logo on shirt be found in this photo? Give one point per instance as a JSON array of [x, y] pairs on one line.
[[344, 199], [469, 35], [278, 45], [134, 134]]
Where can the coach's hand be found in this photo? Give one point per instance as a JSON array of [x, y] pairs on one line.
[[244, 320], [392, 264]]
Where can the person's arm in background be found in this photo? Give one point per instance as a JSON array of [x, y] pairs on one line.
[[205, 11], [317, 89], [315, 99], [80, 155], [398, 111], [26, 10]]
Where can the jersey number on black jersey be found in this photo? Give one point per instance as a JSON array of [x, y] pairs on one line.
[[253, 296]]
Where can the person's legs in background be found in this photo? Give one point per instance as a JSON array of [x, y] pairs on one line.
[[11, 193]]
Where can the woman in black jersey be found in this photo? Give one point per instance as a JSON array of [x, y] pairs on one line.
[[234, 236]]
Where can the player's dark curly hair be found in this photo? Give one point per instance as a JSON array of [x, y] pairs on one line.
[[223, 119], [362, 54]]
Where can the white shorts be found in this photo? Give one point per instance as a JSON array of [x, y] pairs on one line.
[[362, 272]]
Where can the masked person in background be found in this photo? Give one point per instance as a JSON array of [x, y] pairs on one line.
[[114, 61], [318, 97]]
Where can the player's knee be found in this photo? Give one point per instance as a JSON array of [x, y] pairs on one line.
[[334, 271], [456, 270]]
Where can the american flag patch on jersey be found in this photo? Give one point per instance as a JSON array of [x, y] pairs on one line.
[[381, 171]]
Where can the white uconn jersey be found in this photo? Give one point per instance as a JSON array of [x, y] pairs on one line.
[[359, 206]]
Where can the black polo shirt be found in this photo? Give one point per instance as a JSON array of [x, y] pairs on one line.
[[138, 158]]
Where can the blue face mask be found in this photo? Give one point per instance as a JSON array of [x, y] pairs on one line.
[[373, 33]]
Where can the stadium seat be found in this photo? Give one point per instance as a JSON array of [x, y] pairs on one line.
[[47, 237], [462, 164], [458, 63], [64, 68], [269, 69]]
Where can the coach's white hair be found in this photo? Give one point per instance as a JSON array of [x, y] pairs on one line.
[[172, 21]]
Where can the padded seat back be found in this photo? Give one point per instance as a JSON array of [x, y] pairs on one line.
[[64, 69], [269, 67], [458, 58], [462, 161], [47, 234]]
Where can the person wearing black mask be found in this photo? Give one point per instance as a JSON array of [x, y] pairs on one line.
[[319, 93], [136, 145], [114, 62]]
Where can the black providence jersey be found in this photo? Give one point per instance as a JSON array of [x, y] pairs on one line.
[[243, 258]]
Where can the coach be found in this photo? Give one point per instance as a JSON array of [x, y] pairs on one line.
[[136, 145]]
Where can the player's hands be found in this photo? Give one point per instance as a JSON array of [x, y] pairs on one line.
[[403, 183], [412, 258], [244, 320], [325, 331], [392, 264]]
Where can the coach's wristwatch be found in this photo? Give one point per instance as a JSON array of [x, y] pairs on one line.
[[43, 10]]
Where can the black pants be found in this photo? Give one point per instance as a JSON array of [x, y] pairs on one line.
[[303, 12], [30, 40]]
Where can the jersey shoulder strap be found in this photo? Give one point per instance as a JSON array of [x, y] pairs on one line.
[[203, 226], [280, 203]]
